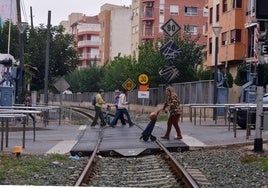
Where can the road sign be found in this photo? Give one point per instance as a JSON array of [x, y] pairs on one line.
[[143, 88], [129, 84], [170, 50], [171, 27], [61, 84], [264, 48], [143, 79], [143, 94]]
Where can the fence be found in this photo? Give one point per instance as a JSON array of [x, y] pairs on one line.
[[189, 92]]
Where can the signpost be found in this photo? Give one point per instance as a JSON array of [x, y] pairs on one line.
[[129, 84], [264, 48], [170, 51], [171, 27], [61, 85], [143, 92]]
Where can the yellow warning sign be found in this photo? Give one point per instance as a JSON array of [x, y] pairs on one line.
[[129, 84], [143, 79]]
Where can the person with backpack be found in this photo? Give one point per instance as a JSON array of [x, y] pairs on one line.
[[98, 106]]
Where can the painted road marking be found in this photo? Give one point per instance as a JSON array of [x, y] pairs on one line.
[[192, 142], [62, 147]]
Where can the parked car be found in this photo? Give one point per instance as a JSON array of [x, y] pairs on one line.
[[242, 115]]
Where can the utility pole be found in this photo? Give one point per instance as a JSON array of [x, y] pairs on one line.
[[261, 16], [47, 59], [18, 11], [31, 15]]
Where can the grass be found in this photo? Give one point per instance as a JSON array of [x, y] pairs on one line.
[[26, 165], [264, 163], [250, 158]]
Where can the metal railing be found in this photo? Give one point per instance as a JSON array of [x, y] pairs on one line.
[[189, 92]]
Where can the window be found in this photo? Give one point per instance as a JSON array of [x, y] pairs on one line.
[[210, 46], [190, 29], [205, 12], [161, 9], [210, 15], [133, 30], [224, 6], [217, 12], [237, 3], [250, 8], [205, 28], [190, 11], [174, 9], [135, 12], [224, 38], [236, 35]]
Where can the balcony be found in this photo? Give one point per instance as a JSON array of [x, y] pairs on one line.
[[147, 1], [90, 56], [148, 33], [85, 28], [85, 43]]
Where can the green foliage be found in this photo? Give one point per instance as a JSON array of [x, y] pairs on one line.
[[118, 71], [14, 39], [264, 163], [205, 74], [63, 57], [249, 158], [230, 80], [265, 77], [14, 168], [85, 79], [150, 62], [239, 79]]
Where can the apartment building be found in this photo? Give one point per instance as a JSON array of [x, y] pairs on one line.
[[72, 18], [237, 39], [115, 34], [86, 32], [148, 16]]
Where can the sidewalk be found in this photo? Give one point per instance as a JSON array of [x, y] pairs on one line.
[[60, 139]]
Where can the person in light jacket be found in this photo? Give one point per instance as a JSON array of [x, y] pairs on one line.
[[122, 104]]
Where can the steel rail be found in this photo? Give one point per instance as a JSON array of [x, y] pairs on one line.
[[85, 174], [186, 177]]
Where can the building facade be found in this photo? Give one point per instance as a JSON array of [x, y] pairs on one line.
[[72, 18], [148, 16], [237, 40], [115, 31], [86, 32]]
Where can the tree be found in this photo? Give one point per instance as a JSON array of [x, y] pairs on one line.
[[150, 62], [241, 75], [189, 59], [118, 71], [63, 56], [14, 39], [187, 62], [85, 79]]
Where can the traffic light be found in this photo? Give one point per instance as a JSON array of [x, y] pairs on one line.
[[261, 9]]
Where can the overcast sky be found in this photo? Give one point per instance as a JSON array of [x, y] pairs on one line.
[[60, 9]]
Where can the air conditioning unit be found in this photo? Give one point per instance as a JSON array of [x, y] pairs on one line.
[[149, 4], [148, 22]]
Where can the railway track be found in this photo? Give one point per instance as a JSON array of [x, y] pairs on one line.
[[161, 170]]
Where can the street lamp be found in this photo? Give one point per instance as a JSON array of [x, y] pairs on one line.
[[22, 26], [216, 31]]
